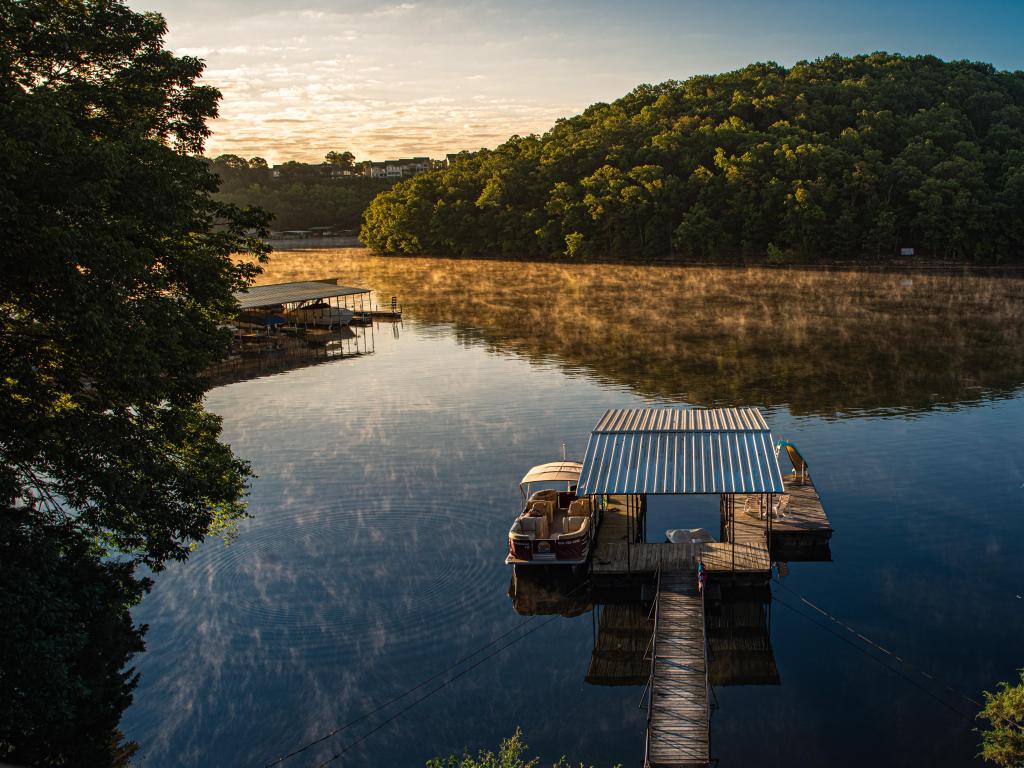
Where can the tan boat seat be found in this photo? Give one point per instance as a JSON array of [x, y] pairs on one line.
[[580, 508], [574, 526], [544, 507], [534, 527]]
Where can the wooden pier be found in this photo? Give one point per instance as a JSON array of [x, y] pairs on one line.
[[646, 558], [678, 716], [802, 532], [636, 453]]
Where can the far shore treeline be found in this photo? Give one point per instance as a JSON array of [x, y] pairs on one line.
[[300, 195], [839, 158]]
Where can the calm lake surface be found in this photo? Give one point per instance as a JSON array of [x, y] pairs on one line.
[[374, 558]]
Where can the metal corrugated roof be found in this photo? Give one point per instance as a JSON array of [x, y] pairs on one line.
[[676, 451], [292, 293]]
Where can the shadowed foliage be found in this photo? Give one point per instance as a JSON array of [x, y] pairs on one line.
[[117, 269]]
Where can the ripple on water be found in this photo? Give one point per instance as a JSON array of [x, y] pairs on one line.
[[361, 570]]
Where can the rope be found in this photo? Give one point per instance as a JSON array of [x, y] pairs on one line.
[[421, 684], [879, 646], [943, 702], [427, 695]]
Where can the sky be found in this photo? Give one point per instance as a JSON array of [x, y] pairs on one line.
[[403, 79]]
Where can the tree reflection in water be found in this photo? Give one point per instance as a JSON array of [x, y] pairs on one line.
[[822, 342]]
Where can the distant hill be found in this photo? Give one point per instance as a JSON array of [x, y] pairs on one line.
[[299, 196], [839, 158]]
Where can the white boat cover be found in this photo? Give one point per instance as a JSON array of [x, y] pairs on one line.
[[688, 535], [553, 471]]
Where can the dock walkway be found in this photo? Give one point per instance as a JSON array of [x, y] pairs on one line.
[[620, 558], [678, 717]]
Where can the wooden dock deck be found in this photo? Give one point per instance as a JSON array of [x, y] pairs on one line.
[[614, 526], [805, 514], [619, 559], [803, 526], [678, 715]]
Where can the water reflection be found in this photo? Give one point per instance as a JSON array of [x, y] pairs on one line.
[[277, 352], [819, 342], [738, 626], [374, 558]]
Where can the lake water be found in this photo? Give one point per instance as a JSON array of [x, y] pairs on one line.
[[374, 557]]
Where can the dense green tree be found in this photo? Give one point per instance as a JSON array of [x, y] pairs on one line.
[[344, 160], [118, 265], [300, 195], [1002, 740], [69, 634], [509, 755], [835, 158]]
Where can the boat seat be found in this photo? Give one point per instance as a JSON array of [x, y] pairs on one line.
[[580, 508], [534, 527], [546, 508], [549, 494], [574, 526]]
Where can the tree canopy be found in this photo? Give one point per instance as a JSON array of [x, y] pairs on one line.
[[837, 158], [118, 267], [301, 195], [1002, 740]]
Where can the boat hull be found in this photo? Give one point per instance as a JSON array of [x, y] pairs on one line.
[[572, 551]]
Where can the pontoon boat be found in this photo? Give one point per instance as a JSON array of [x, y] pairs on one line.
[[555, 527]]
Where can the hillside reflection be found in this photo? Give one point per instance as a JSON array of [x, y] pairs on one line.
[[821, 342]]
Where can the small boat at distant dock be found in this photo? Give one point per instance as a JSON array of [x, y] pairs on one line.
[[320, 314]]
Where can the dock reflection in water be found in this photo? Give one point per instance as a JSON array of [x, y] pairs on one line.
[[738, 619]]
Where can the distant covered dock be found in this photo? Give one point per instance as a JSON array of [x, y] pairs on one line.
[[270, 339], [300, 292]]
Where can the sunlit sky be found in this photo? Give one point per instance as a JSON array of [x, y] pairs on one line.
[[386, 80]]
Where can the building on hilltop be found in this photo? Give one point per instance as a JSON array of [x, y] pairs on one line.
[[307, 170], [397, 169]]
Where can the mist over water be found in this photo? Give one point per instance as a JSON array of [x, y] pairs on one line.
[[387, 483]]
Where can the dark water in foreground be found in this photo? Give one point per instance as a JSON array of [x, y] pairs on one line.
[[387, 484]]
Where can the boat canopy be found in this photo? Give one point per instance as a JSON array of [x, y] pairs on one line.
[[553, 471], [681, 451]]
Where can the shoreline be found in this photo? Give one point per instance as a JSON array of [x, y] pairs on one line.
[[895, 265]]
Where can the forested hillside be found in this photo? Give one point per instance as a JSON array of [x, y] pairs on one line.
[[833, 159], [299, 197]]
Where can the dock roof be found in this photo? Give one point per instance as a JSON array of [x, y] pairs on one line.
[[293, 293], [681, 451]]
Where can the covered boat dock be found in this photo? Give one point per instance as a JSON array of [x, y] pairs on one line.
[[638, 452], [266, 342], [635, 453], [302, 292]]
